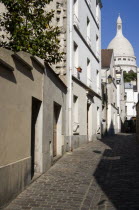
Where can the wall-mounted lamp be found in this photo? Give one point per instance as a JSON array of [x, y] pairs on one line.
[[109, 79], [125, 97]]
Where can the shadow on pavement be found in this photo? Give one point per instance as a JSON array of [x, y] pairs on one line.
[[118, 172]]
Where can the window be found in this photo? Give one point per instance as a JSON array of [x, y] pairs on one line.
[[89, 3], [98, 82], [75, 109], [126, 109], [97, 12], [89, 81], [97, 45], [98, 121], [76, 65], [76, 18], [124, 59], [88, 32], [75, 115], [119, 59], [76, 7]]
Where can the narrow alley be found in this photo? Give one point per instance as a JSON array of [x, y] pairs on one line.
[[99, 175]]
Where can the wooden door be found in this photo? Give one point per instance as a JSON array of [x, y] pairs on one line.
[[36, 104], [55, 132], [88, 106]]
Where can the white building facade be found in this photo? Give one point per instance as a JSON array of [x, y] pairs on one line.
[[125, 61], [83, 71], [109, 95], [80, 39], [132, 99], [121, 98]]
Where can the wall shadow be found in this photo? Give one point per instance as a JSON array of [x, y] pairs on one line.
[[55, 79], [23, 69], [7, 74], [118, 172], [37, 66], [111, 130], [108, 132]]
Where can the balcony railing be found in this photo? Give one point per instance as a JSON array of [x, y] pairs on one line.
[[76, 21], [89, 41]]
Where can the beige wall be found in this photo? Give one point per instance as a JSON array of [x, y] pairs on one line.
[[19, 81], [54, 92], [21, 78], [16, 90]]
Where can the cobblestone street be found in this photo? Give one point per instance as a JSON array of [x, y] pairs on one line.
[[100, 175]]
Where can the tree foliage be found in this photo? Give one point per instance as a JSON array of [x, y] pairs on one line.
[[130, 76], [28, 26]]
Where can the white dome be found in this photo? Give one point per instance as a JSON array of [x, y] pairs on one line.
[[120, 44]]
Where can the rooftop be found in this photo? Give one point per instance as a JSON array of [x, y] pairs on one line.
[[106, 55]]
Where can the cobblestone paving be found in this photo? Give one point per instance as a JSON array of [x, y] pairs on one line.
[[103, 175]]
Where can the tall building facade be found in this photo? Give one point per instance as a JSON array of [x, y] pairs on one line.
[[80, 23]]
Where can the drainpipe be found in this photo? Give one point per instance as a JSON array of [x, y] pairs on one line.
[[70, 70]]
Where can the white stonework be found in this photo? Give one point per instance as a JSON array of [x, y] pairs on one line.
[[125, 60], [109, 106], [123, 50]]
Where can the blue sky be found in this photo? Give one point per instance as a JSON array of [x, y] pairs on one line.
[[129, 12]]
